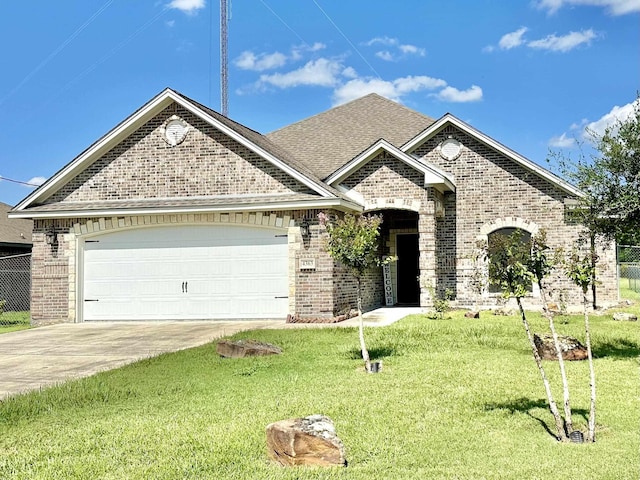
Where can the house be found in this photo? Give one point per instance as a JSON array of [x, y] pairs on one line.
[[15, 233], [15, 262], [182, 213]]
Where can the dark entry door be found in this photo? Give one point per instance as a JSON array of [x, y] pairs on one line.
[[408, 269]]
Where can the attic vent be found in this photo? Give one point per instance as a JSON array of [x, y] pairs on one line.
[[175, 130], [450, 149]]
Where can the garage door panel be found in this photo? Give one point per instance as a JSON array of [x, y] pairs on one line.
[[193, 272]]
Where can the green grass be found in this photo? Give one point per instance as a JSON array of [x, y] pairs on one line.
[[626, 293], [457, 398], [12, 321]]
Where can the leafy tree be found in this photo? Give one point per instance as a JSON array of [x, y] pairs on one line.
[[610, 181], [354, 242], [511, 267], [541, 263]]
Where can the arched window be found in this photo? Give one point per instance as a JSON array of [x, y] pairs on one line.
[[498, 238]]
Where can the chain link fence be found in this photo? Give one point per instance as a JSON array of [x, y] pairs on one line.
[[15, 290], [629, 268]]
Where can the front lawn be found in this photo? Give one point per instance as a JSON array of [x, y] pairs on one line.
[[457, 398]]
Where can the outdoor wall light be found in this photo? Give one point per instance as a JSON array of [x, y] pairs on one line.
[[51, 236], [304, 228]]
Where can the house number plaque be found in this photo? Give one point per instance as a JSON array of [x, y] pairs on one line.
[[307, 264], [388, 288]]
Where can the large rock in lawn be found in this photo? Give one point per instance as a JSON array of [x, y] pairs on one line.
[[310, 440], [625, 317], [245, 348], [571, 348], [472, 314]]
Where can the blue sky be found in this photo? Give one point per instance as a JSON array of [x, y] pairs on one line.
[[530, 74]]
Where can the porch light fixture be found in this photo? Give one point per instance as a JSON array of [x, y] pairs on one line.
[[304, 228], [51, 236]]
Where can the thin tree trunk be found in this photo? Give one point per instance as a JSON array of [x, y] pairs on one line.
[[562, 436], [591, 435], [363, 345], [563, 373], [594, 261]]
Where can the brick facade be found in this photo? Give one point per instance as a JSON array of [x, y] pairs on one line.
[[492, 191]]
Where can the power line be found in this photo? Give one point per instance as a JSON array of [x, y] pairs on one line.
[[18, 181], [108, 55], [59, 49], [347, 39], [283, 22]]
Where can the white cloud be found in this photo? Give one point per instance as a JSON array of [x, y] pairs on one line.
[[565, 42], [264, 61], [350, 72], [187, 6], [488, 49], [393, 90], [611, 119], [321, 72], [388, 41], [614, 7], [396, 50], [170, 23], [412, 50], [452, 94], [385, 55], [37, 180], [562, 141], [512, 40]]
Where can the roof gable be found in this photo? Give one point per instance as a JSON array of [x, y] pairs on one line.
[[250, 139], [432, 175], [449, 119], [327, 141]]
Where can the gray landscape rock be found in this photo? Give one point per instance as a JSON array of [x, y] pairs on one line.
[[571, 348], [310, 440], [625, 317], [246, 348]]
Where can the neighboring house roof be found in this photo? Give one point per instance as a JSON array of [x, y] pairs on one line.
[[329, 140], [14, 231]]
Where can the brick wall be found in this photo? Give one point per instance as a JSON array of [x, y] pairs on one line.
[[206, 163], [492, 188]]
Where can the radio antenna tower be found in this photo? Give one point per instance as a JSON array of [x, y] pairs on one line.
[[224, 60]]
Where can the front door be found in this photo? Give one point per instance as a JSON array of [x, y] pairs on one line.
[[408, 269]]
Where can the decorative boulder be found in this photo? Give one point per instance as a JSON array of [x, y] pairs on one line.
[[571, 348], [310, 440], [625, 317], [472, 314], [245, 348]]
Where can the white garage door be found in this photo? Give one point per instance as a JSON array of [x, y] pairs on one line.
[[186, 272]]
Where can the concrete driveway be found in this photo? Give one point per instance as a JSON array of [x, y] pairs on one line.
[[44, 356]]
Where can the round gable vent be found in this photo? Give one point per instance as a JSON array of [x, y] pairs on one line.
[[175, 130], [450, 149]]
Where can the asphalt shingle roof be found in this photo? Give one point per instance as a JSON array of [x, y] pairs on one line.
[[325, 142], [14, 230]]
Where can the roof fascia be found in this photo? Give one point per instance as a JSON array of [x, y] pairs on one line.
[[490, 142], [432, 176], [332, 202], [133, 122]]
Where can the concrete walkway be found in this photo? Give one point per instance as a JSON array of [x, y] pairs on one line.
[[45, 356]]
